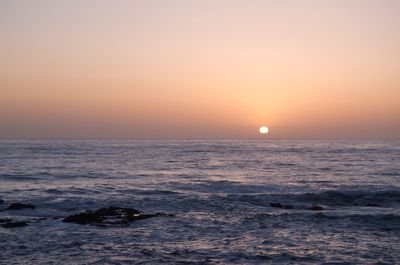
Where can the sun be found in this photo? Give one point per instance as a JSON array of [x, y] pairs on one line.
[[264, 130]]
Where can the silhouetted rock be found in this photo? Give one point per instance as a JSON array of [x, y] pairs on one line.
[[281, 206], [5, 220], [109, 216], [84, 218], [19, 206], [1, 201], [373, 205], [114, 211], [315, 208], [14, 225]]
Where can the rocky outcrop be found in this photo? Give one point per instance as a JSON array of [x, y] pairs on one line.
[[14, 224], [373, 205], [315, 208], [281, 206], [19, 206], [109, 216], [102, 217]]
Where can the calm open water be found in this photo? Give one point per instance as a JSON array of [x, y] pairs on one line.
[[220, 193]]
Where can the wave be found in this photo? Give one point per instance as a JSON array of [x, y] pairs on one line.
[[389, 173], [370, 218], [329, 198], [351, 197], [345, 221], [17, 177]]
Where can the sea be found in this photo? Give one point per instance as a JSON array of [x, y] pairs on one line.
[[340, 201]]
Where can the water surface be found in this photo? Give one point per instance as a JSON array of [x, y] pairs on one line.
[[220, 193]]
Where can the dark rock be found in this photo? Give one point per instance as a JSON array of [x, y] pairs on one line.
[[115, 211], [19, 206], [140, 217], [109, 216], [5, 220], [281, 206], [165, 214], [373, 205], [14, 225], [1, 201], [315, 208], [84, 218]]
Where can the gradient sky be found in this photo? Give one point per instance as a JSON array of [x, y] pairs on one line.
[[199, 69]]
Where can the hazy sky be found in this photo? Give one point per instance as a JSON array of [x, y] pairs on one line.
[[199, 69]]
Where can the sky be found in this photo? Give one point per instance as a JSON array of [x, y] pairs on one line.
[[206, 69]]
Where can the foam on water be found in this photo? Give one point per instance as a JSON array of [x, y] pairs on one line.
[[220, 193]]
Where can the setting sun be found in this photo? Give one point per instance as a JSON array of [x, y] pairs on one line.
[[264, 130]]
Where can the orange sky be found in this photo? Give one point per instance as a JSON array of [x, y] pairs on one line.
[[200, 69]]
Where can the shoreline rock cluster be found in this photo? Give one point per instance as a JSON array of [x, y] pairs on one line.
[[103, 217], [110, 216], [19, 206], [279, 205]]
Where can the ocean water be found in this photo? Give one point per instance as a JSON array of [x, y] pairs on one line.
[[220, 193]]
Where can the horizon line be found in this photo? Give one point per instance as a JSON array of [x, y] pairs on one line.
[[199, 139]]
